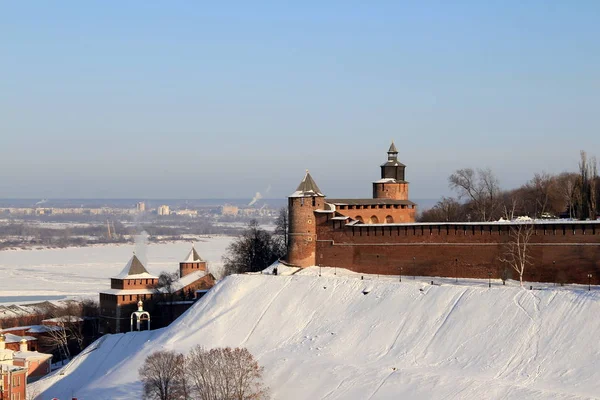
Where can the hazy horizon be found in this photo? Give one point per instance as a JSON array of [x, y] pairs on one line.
[[191, 100]]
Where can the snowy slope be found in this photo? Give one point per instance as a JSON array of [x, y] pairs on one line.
[[323, 338]]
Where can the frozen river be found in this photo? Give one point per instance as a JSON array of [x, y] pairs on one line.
[[51, 274]]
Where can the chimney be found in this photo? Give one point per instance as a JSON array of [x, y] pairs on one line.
[[2, 341], [23, 345]]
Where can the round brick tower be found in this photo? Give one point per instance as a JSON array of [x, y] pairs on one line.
[[392, 184], [302, 230]]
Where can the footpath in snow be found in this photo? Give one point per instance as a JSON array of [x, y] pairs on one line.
[[340, 337]]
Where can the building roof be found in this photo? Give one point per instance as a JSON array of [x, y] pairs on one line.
[[11, 368], [193, 256], [392, 148], [307, 188], [177, 285], [393, 163], [27, 355], [134, 269], [10, 338], [354, 202]]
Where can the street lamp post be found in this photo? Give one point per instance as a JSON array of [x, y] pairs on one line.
[[400, 273], [489, 279], [319, 269], [456, 270], [589, 282]]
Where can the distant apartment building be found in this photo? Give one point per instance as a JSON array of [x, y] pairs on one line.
[[190, 213], [140, 206], [230, 210], [163, 210]]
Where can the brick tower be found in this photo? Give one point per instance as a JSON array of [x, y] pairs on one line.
[[302, 234], [392, 184], [193, 262]]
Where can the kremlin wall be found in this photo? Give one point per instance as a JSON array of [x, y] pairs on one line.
[[380, 236]]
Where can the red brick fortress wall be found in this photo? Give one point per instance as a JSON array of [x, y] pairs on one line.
[[383, 213], [562, 252]]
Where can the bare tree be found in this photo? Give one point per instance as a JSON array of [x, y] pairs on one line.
[[567, 184], [588, 172], [57, 339], [516, 252], [253, 251], [64, 330], [166, 283], [163, 376], [510, 204], [281, 225], [225, 374], [480, 188], [448, 209]]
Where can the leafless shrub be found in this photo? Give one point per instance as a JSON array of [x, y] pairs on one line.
[[163, 376], [225, 374]]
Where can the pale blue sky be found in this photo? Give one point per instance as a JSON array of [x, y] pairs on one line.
[[194, 100]]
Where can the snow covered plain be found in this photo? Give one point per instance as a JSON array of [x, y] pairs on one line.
[[84, 271], [340, 337]]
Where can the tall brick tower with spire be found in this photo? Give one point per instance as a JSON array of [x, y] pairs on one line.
[[392, 184], [302, 230]]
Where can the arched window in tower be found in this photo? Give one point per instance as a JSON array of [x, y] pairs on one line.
[[374, 220], [389, 219], [359, 218]]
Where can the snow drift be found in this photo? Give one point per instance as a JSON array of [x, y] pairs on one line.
[[346, 338]]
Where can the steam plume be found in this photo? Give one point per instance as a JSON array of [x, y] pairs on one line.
[[141, 245], [256, 198]]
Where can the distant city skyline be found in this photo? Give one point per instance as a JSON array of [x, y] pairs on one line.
[[197, 100]]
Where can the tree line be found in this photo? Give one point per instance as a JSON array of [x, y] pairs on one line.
[[256, 248], [479, 196]]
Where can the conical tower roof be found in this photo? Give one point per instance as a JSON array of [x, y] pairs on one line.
[[134, 269], [393, 148], [193, 256], [307, 188]]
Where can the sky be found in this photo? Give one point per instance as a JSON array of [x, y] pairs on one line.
[[184, 99]]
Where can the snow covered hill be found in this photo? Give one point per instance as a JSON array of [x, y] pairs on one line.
[[346, 338]]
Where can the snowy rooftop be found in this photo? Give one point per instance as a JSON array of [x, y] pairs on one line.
[[134, 269], [10, 368], [10, 338], [31, 355], [386, 180], [307, 188], [193, 256], [178, 284], [66, 318]]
